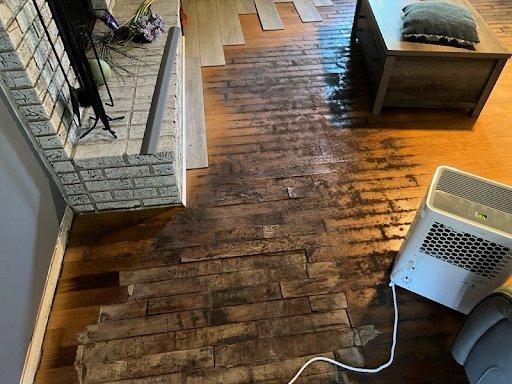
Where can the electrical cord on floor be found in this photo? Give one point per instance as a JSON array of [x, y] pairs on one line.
[[355, 369]]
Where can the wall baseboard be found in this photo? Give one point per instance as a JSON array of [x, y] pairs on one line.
[[34, 348], [184, 129]]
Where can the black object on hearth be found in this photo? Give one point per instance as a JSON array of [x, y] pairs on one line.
[[75, 21]]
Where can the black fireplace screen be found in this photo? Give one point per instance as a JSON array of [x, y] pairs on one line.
[[75, 21]]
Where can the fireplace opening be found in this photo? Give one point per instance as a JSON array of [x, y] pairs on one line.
[[75, 21]]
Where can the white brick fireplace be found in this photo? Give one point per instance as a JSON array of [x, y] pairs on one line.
[[96, 173]]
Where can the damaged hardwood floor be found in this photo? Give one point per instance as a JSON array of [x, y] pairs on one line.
[[285, 247]]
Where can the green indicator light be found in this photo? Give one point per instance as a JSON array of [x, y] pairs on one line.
[[480, 216]]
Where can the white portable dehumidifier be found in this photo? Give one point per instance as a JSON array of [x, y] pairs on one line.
[[459, 246], [458, 249]]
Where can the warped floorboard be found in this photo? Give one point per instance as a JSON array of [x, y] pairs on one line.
[[268, 14], [230, 27], [197, 152], [191, 29], [245, 7], [210, 38], [307, 11]]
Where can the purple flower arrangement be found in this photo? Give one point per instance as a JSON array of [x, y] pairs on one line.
[[147, 28], [143, 27]]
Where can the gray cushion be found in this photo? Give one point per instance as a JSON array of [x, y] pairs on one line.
[[439, 21], [483, 344], [484, 316], [490, 359]]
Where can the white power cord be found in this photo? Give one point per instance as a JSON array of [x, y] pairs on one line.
[[355, 369]]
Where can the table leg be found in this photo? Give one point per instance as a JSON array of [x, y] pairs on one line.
[[498, 67], [383, 85], [354, 23]]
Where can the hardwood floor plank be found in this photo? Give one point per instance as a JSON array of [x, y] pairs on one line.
[[268, 14], [323, 3], [197, 152], [245, 7], [57, 375], [283, 1], [307, 11], [230, 27], [210, 38], [191, 29]]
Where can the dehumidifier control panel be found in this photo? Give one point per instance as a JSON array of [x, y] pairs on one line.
[[475, 212]]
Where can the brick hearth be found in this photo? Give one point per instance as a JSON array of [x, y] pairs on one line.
[[98, 172]]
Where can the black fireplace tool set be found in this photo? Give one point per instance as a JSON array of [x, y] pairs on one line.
[[75, 21]]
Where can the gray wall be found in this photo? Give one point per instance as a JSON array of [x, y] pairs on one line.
[[31, 208]]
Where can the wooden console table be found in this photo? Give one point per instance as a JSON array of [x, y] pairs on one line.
[[412, 74]]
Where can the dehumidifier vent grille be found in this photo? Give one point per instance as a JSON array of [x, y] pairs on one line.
[[466, 251], [476, 190]]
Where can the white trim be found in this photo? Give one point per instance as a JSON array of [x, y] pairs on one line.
[[34, 348], [184, 129]]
